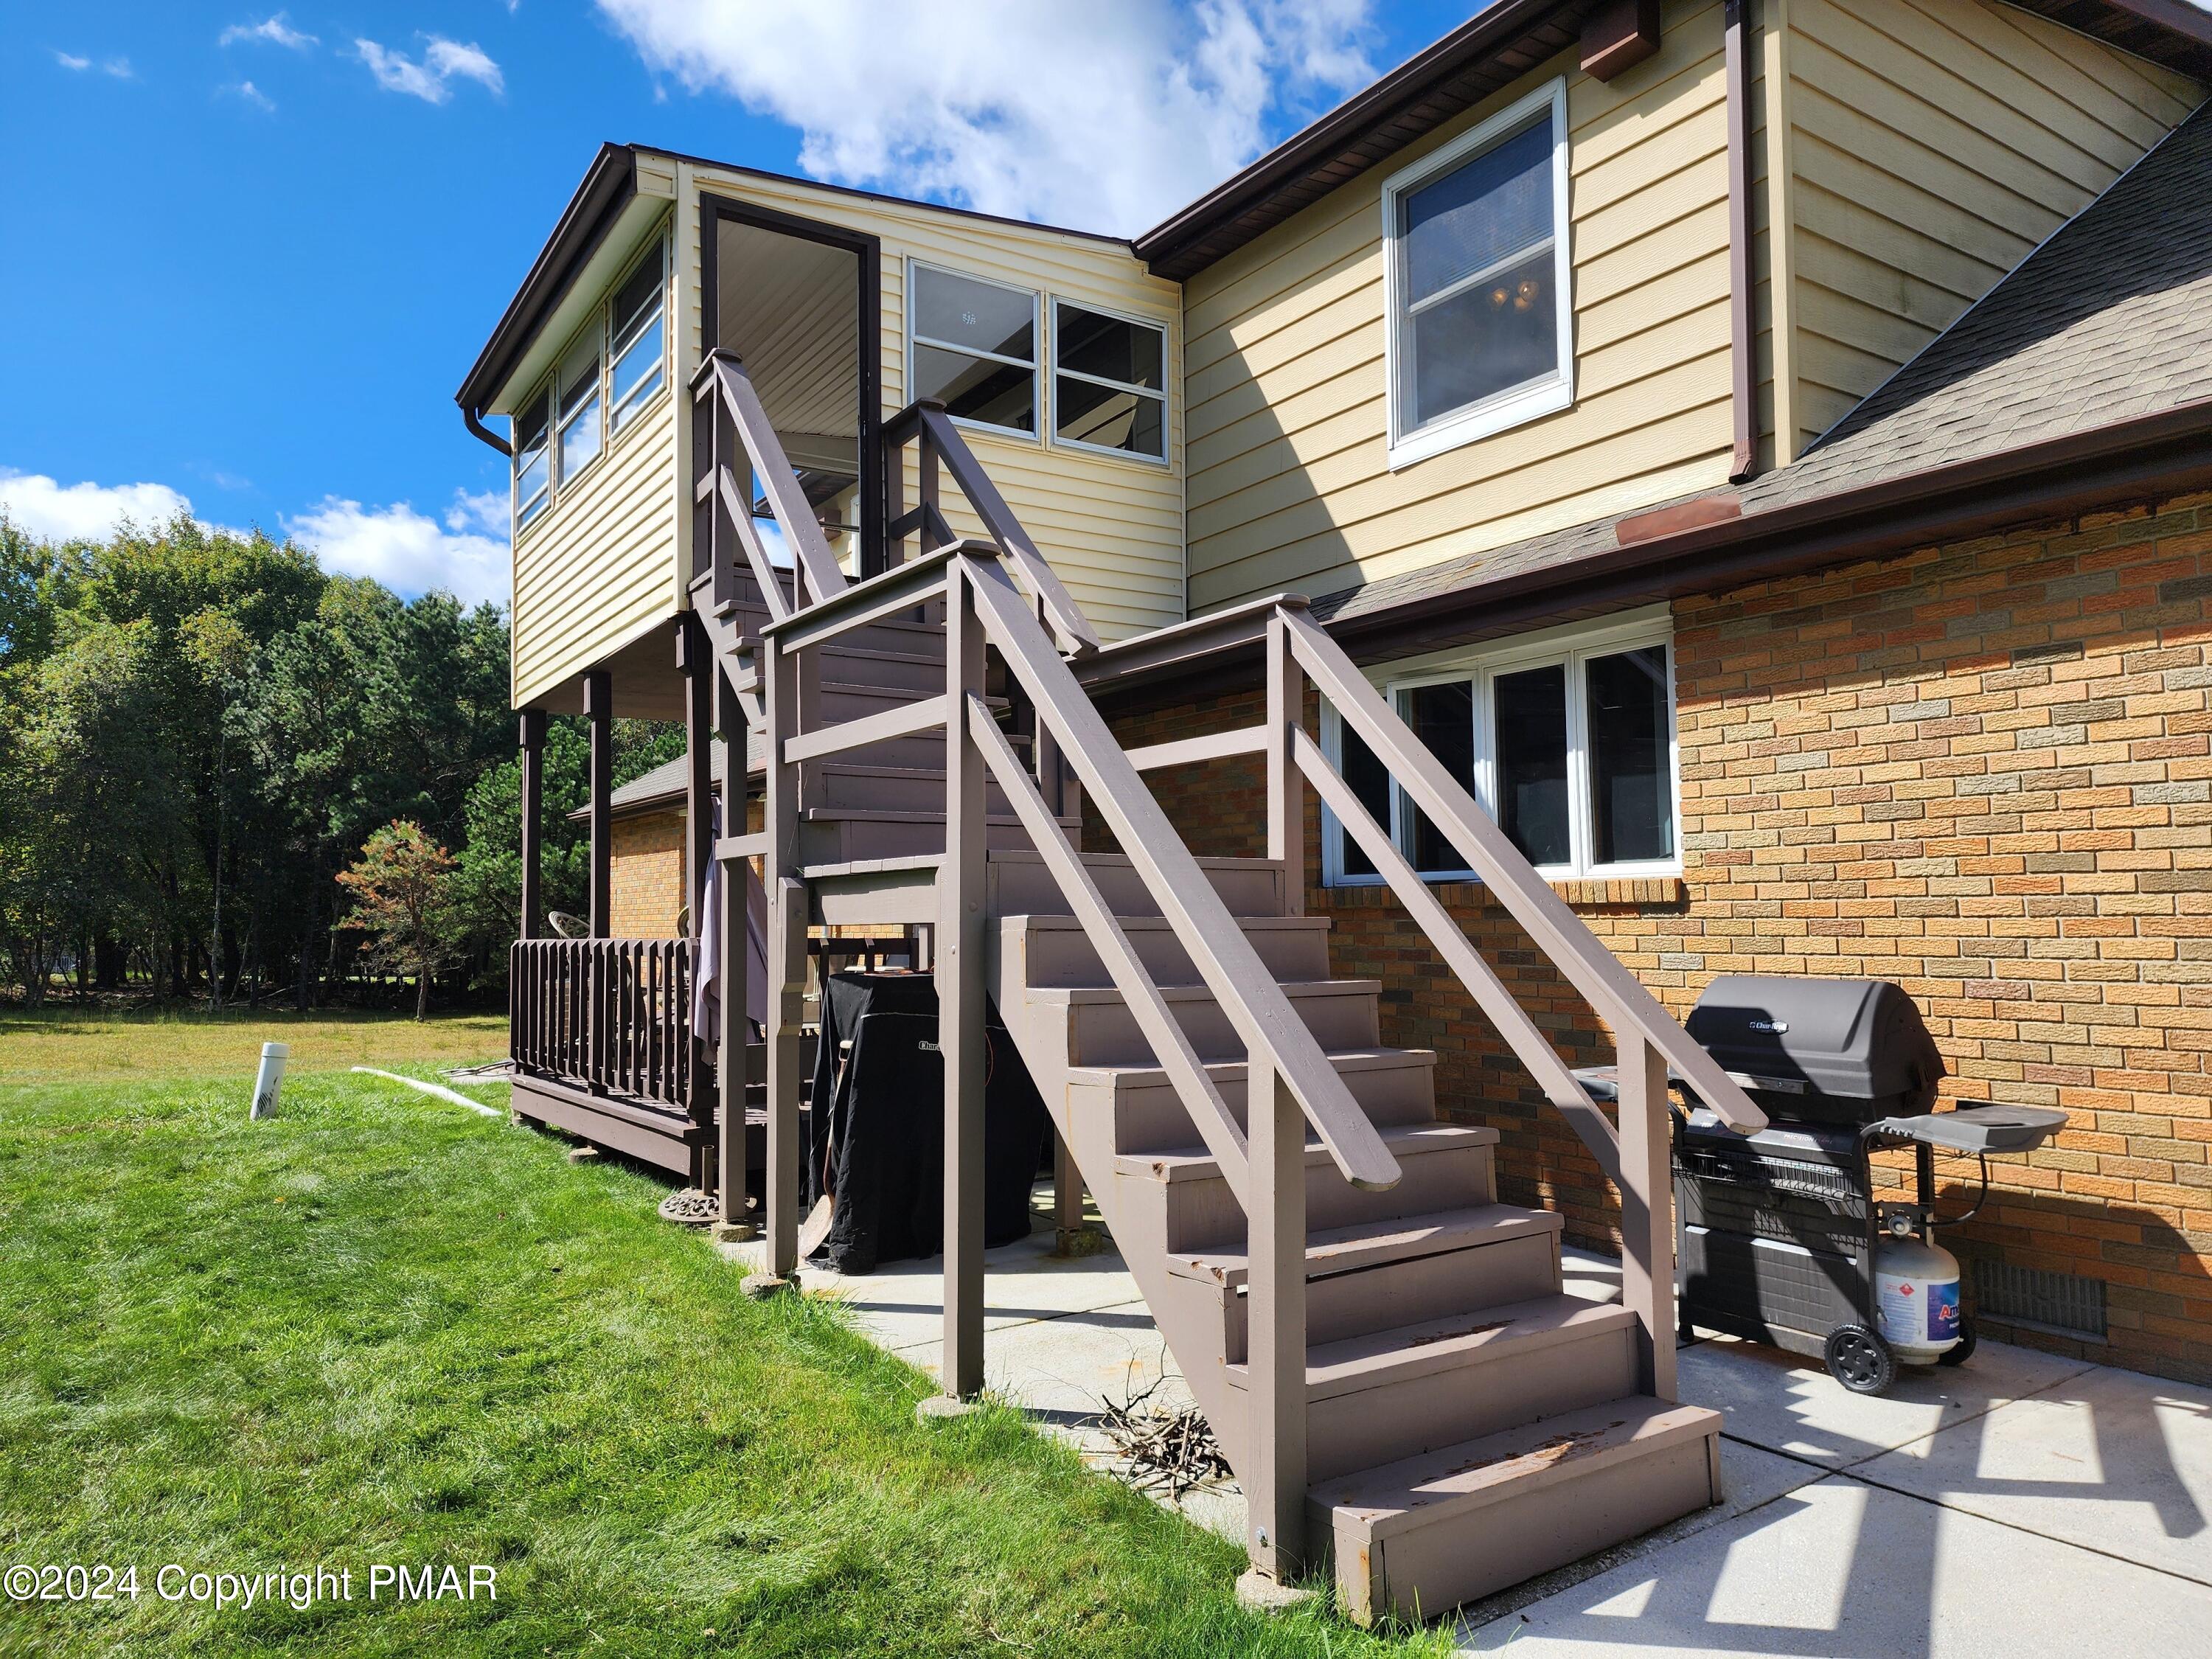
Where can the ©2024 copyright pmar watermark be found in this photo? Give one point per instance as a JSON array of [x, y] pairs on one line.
[[385, 1582]]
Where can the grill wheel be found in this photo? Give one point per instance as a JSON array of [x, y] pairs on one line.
[[1859, 1360]]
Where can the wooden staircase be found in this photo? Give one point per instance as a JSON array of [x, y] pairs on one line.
[[1383, 1349], [1468, 1422]]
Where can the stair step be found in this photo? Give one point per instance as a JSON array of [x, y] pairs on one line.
[[1368, 1244], [1442, 1166], [1428, 1532], [1020, 884], [1392, 1086], [1393, 1393], [1342, 1014], [1056, 950]]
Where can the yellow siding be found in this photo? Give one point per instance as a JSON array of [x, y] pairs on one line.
[[1288, 482], [1934, 143], [1113, 529], [599, 569]]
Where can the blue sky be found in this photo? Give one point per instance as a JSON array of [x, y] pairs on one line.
[[251, 254]]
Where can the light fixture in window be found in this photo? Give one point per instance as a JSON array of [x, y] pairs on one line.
[[973, 347]]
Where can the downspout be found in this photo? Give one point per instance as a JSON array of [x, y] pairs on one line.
[[1742, 335], [468, 419]]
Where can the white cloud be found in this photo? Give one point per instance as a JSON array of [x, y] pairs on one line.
[[1102, 116], [119, 67], [275, 31], [442, 63], [252, 94], [84, 512], [411, 552]]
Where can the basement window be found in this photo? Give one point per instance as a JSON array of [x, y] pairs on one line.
[[1476, 269], [972, 345], [1109, 382], [1565, 738]]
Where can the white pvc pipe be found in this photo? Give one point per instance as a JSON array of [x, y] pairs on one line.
[[269, 1083], [443, 1093]]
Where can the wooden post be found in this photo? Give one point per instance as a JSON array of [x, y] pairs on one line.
[[960, 995], [1067, 1197], [533, 826], [599, 711], [787, 969], [1286, 797], [1276, 1207], [695, 658], [1647, 1212], [735, 1032]]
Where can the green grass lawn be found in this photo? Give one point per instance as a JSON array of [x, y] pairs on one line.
[[379, 1328]]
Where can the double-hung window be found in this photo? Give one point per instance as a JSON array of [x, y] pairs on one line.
[[1566, 740], [973, 346], [637, 352], [533, 465], [1109, 382], [580, 433], [1481, 311]]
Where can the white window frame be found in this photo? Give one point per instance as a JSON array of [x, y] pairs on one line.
[[548, 391], [1035, 364], [1515, 405], [1159, 395], [621, 417], [518, 527], [1573, 646]]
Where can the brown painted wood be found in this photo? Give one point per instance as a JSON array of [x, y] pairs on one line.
[[961, 992], [600, 713], [733, 1037], [1617, 36]]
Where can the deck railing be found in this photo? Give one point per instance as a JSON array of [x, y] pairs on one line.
[[609, 1015]]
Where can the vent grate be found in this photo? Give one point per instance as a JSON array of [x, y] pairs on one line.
[[2063, 1304]]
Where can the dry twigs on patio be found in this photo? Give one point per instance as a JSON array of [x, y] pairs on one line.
[[1169, 1451]]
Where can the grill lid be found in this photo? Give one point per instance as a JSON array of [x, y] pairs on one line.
[[1794, 1041]]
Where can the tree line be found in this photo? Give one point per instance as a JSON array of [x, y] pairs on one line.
[[200, 729]]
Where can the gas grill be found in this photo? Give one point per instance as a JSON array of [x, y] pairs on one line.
[[1778, 1236]]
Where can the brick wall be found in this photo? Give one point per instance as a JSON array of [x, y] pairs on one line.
[[645, 875], [1983, 770]]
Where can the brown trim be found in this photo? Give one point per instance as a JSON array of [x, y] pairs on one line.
[[868, 254], [608, 186], [1694, 515], [1498, 45], [1617, 36], [2172, 32], [1743, 335], [667, 1140], [2156, 457], [695, 660]]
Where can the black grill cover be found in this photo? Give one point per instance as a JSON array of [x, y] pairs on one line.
[[1820, 1050]]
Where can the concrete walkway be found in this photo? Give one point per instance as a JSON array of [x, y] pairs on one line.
[[2020, 1504]]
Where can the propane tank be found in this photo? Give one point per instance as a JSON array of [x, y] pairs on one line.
[[1916, 1290]]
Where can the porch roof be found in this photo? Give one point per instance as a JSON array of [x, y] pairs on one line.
[[2083, 377], [661, 789]]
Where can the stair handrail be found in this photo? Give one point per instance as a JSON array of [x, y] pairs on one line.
[[1566, 941], [927, 423], [725, 391], [1228, 964]]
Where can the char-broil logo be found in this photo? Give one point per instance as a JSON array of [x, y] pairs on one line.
[[1771, 1027]]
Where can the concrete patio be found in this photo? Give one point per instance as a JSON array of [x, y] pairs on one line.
[[2021, 1504]]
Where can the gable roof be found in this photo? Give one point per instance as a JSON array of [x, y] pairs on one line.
[[1503, 41], [2085, 374], [661, 789]]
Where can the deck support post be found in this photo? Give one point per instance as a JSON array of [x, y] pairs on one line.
[[695, 660], [735, 953], [786, 966], [960, 995], [533, 823], [1276, 1207], [1647, 1212], [599, 713]]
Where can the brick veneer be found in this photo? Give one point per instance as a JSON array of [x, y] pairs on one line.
[[645, 875], [1984, 771]]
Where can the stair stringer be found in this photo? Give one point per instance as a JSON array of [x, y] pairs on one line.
[[1189, 1316]]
